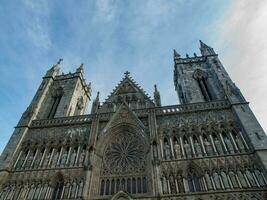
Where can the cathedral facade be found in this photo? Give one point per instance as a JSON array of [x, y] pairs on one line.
[[210, 146]]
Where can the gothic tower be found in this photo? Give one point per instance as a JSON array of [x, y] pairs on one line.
[[210, 146]]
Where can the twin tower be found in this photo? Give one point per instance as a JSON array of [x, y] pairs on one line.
[[210, 146]]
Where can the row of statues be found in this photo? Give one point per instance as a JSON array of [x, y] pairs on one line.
[[50, 157], [45, 191], [215, 181], [131, 185], [195, 147]]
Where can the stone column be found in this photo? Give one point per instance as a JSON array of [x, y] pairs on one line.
[[68, 157], [237, 178], [161, 149], [42, 159], [223, 143], [192, 146], [230, 181], [255, 179], [172, 151], [20, 153], [232, 138], [77, 155], [36, 153], [51, 157], [182, 146], [59, 157], [213, 145], [62, 193], [26, 158], [202, 144]]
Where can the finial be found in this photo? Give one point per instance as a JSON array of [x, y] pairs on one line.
[[127, 73], [195, 54], [59, 61], [155, 86], [175, 54], [80, 69], [187, 55]]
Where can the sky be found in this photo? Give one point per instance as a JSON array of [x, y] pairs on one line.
[[112, 36]]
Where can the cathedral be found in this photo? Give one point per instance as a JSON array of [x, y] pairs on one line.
[[208, 146]]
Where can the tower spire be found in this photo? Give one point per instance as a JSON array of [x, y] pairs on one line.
[[205, 49]]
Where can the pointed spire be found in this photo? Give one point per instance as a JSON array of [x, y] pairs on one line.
[[96, 104], [80, 69], [205, 49], [175, 54], [157, 98]]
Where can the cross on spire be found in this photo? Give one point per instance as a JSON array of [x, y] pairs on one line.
[[127, 73]]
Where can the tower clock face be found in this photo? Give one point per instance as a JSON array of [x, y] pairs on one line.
[[124, 154]]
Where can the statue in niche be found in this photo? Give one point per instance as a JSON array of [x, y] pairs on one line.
[[164, 185], [73, 157], [29, 160], [37, 159], [242, 179], [218, 145], [167, 150], [216, 179], [225, 180], [259, 177], [177, 150], [233, 179], [55, 158], [208, 147], [208, 181], [187, 149], [198, 148], [82, 157], [229, 144], [180, 184], [64, 158], [172, 185], [250, 178]]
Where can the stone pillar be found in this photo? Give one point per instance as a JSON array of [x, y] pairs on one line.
[[213, 145], [192, 146], [223, 143], [182, 146], [20, 153], [172, 151], [232, 138], [42, 159], [77, 155], [36, 153], [59, 157], [202, 144], [68, 157], [161, 149], [51, 157]]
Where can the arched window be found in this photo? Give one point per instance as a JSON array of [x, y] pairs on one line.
[[118, 185], [133, 186], [112, 189], [55, 102], [201, 78], [129, 185], [139, 185], [107, 187], [144, 185], [58, 189], [102, 187]]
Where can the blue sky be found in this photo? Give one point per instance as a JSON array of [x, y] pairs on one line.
[[110, 37]]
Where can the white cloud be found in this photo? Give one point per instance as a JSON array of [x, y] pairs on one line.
[[242, 40]]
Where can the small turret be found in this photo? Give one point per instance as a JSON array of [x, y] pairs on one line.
[[96, 104], [157, 99], [54, 70], [206, 50]]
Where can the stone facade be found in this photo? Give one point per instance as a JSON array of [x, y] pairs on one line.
[[210, 146]]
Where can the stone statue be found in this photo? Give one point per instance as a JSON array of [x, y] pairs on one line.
[[167, 150], [250, 178], [172, 185], [208, 181], [177, 150], [218, 146], [73, 157], [242, 179], [229, 145], [180, 184], [187, 149], [198, 148], [64, 158], [233, 179], [164, 185], [225, 180], [259, 177], [208, 147], [216, 179], [82, 157]]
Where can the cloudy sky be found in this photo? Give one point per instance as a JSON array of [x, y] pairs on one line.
[[111, 36]]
